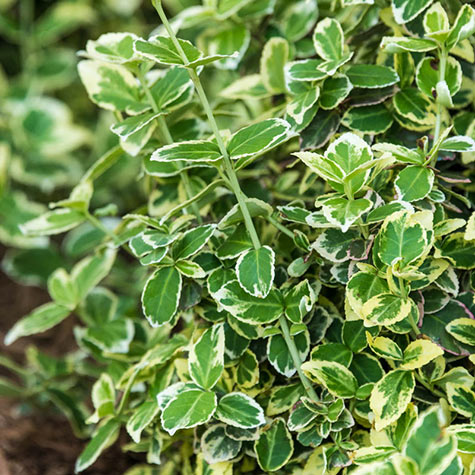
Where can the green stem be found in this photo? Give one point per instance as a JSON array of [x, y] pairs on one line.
[[296, 358], [167, 136], [103, 163], [98, 224], [280, 227], [228, 166], [440, 109]]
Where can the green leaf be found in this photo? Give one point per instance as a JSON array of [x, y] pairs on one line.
[[335, 245], [188, 409], [53, 222], [227, 41], [217, 446], [395, 44], [344, 213], [461, 399], [274, 447], [414, 183], [458, 143], [303, 107], [279, 355], [255, 271], [363, 286], [62, 289], [328, 39], [299, 301], [172, 89], [371, 76], [419, 353], [335, 89], [249, 309], [142, 417], [390, 397], [436, 19], [305, 70], [462, 329], [337, 352], [353, 335], [282, 398], [112, 48], [161, 295], [105, 436], [407, 10], [240, 410], [457, 250], [39, 320], [88, 272], [259, 138], [465, 434], [255, 207], [235, 245], [427, 76], [428, 445], [401, 239], [387, 309], [299, 18], [191, 151], [206, 358], [463, 27], [162, 50], [192, 241], [274, 56], [112, 87], [334, 376], [369, 120], [413, 105], [385, 348]]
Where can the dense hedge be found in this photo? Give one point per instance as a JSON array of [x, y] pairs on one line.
[[271, 269]]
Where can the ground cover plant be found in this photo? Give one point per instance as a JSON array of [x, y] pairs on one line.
[[272, 267]]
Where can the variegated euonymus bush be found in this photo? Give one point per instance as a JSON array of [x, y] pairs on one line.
[[292, 289]]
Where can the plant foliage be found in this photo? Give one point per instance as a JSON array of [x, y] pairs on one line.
[[272, 269]]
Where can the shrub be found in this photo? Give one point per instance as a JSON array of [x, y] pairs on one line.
[[299, 235]]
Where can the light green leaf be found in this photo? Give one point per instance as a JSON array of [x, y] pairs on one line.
[[344, 213], [249, 309], [274, 56], [407, 10], [274, 447], [259, 138], [328, 39], [255, 271], [142, 416], [390, 397], [305, 70], [436, 19], [103, 397], [301, 110], [206, 358], [465, 434], [401, 44], [217, 446], [112, 48], [428, 445], [385, 347], [190, 151], [419, 353], [463, 27], [461, 399], [255, 207], [401, 239], [457, 250], [334, 376], [240, 410], [414, 183], [53, 222], [39, 320], [161, 295], [188, 409], [298, 301], [386, 309], [105, 436], [458, 143], [463, 329], [112, 87], [162, 50], [371, 76], [62, 289], [188, 268]]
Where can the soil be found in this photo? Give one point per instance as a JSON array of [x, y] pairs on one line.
[[41, 443]]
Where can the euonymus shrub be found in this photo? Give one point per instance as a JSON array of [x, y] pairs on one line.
[[293, 290]]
